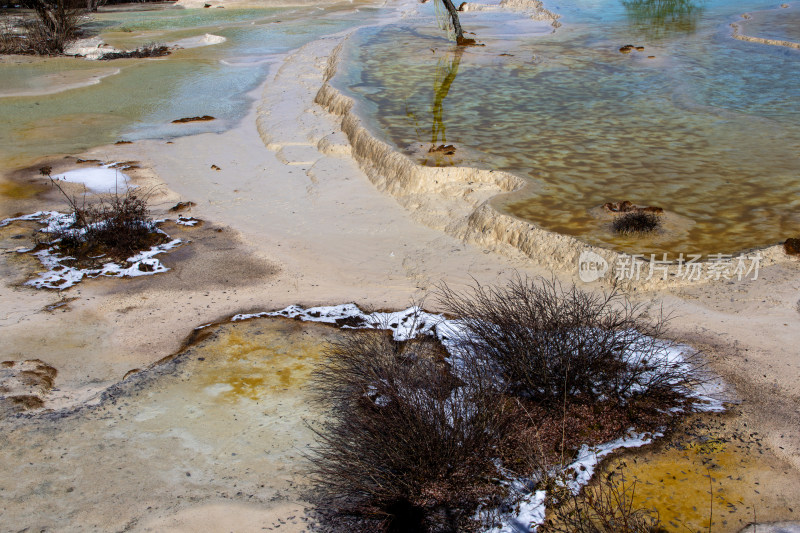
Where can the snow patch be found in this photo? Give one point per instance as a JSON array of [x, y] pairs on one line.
[[204, 40], [59, 275], [104, 179], [93, 48], [187, 221]]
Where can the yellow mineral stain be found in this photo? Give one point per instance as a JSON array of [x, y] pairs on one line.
[[19, 191], [256, 360], [699, 483]]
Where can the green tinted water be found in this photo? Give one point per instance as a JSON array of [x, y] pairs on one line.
[[138, 98], [708, 128]]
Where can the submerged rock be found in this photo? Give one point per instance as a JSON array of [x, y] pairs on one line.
[[182, 206], [629, 207], [184, 120], [446, 149], [628, 48]]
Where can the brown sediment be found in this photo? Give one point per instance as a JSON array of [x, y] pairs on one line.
[[773, 42], [130, 373], [263, 356], [25, 402], [24, 385], [21, 191], [184, 120]]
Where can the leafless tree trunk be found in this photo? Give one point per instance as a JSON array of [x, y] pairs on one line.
[[58, 20], [92, 5], [454, 16], [451, 9]]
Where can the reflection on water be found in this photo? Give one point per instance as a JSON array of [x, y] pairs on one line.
[[446, 72], [142, 99], [657, 19], [708, 128]]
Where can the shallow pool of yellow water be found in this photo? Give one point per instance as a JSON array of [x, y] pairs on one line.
[[717, 481], [253, 360]]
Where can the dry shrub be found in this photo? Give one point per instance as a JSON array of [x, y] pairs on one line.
[[555, 345], [12, 40], [412, 443], [53, 24], [541, 440], [116, 226], [406, 446]]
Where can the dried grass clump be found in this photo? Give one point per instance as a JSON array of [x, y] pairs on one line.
[[636, 222], [53, 25], [116, 226]]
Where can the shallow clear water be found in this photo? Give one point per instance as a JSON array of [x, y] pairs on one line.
[[708, 128], [782, 23], [146, 95]]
